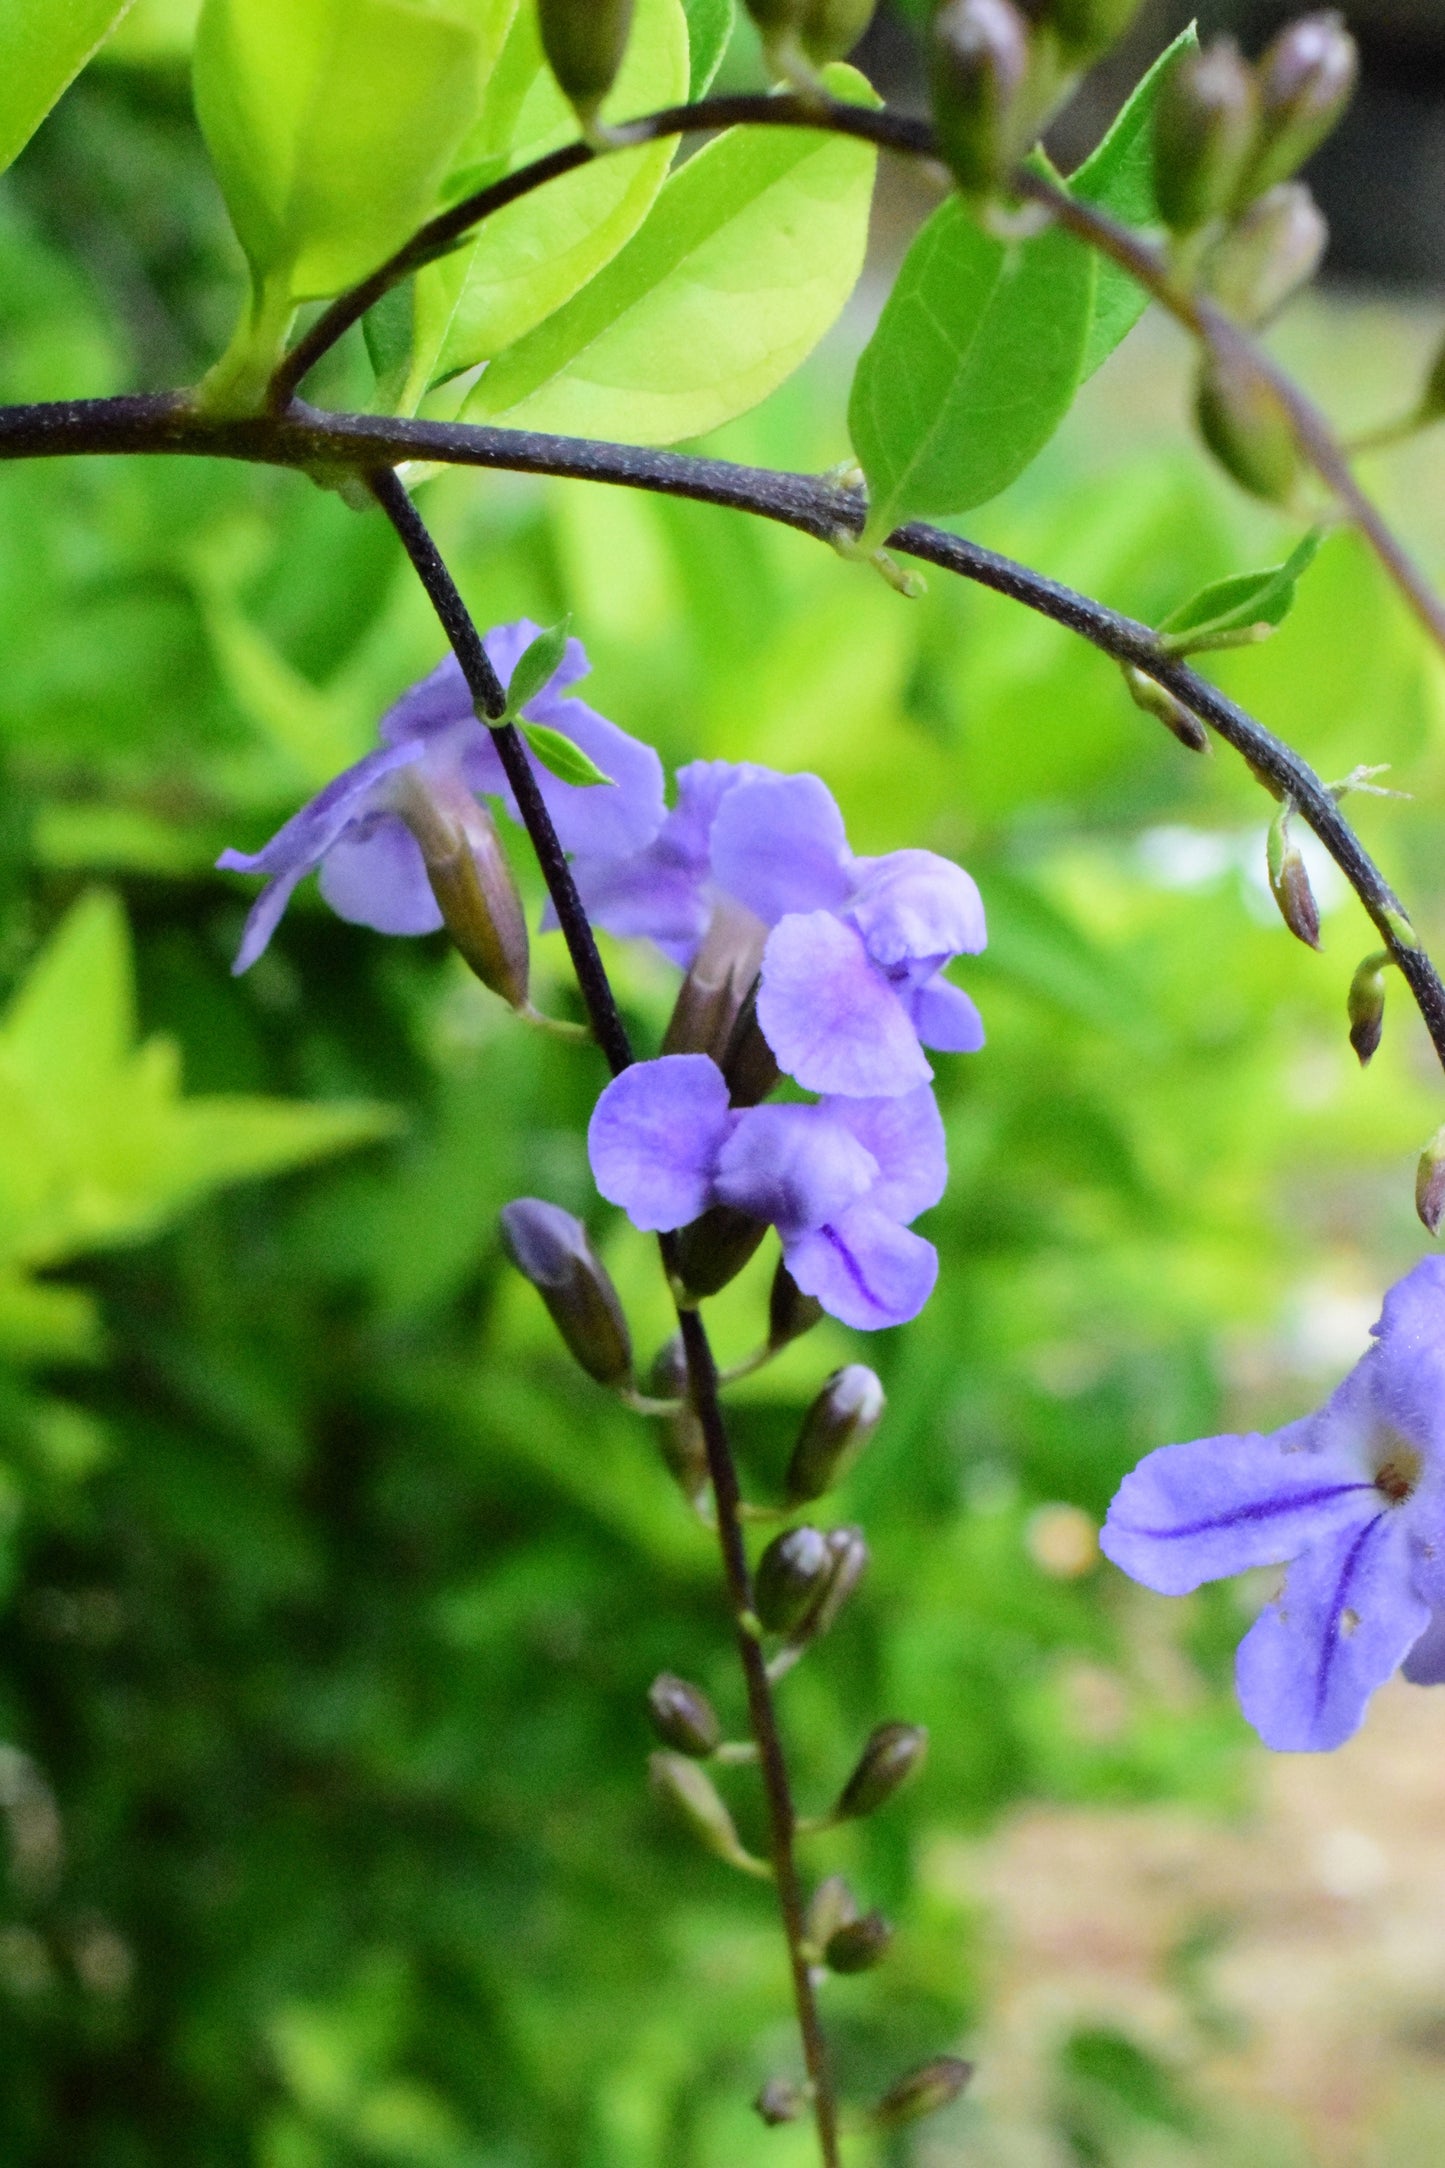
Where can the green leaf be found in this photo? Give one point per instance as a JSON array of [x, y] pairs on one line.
[[746, 259], [535, 254], [1119, 178], [973, 365], [332, 124], [43, 46], [1237, 604], [535, 665], [565, 760], [709, 30]]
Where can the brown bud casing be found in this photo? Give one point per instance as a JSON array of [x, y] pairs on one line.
[[894, 1753], [924, 2091], [712, 1250], [860, 1945], [1246, 425], [1306, 79], [848, 1562], [1272, 252], [585, 41], [552, 1249], [684, 1447], [792, 1574], [1430, 1184], [831, 1906], [835, 1431], [1205, 126], [1366, 1005], [1156, 700], [791, 1313], [979, 63], [683, 1717], [1289, 882], [468, 873]]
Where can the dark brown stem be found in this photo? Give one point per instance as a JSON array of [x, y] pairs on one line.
[[611, 1035]]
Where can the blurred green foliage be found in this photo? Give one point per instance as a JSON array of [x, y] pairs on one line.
[[331, 1593]]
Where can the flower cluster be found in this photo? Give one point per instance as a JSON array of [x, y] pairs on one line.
[[827, 968], [1351, 1499]]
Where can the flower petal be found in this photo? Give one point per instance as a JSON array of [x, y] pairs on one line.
[[1200, 1511], [1345, 1620], [642, 899], [793, 1166], [375, 877], [306, 838], [264, 917], [864, 1268], [905, 1136], [913, 904], [945, 1018], [832, 1020], [434, 704], [1425, 1664], [654, 1138], [779, 845]]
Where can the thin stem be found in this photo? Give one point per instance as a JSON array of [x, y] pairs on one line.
[[611, 1035]]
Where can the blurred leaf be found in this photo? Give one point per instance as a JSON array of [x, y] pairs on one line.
[[745, 260], [43, 44]]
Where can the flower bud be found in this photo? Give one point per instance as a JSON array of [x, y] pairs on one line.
[[780, 2101], [1205, 125], [1306, 79], [584, 41], [858, 1946], [552, 1250], [683, 1717], [722, 975], [923, 2091], [1273, 250], [1289, 882], [791, 1313], [831, 1906], [1366, 1005], [712, 1250], [749, 1065], [471, 879], [792, 1574], [829, 29], [1087, 27], [848, 1561], [1430, 1184], [683, 1445], [835, 1430], [1246, 425], [693, 1798], [1158, 701], [894, 1753], [979, 71]]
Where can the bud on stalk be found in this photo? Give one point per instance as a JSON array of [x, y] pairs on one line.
[[551, 1248], [1289, 882], [860, 1945], [1306, 79], [979, 61], [831, 1906], [694, 1799], [585, 41], [1246, 425], [1274, 250], [894, 1753], [1156, 700], [1088, 27], [848, 1561], [792, 1574], [835, 1431], [684, 1447], [791, 1313], [712, 1250], [829, 29], [780, 2101], [1204, 132], [1430, 1184], [683, 1717], [923, 2092], [468, 873], [1366, 1005]]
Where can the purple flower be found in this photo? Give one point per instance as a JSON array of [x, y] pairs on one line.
[[840, 1180], [851, 987], [370, 829], [1351, 1498]]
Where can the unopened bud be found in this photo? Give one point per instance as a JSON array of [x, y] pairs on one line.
[[894, 1753], [694, 1799], [683, 1717], [792, 1574], [791, 1313], [1306, 79], [551, 1248], [835, 1430], [923, 2092], [683, 1444], [749, 1065], [859, 1946], [831, 1906], [712, 1250], [829, 29], [1205, 124], [979, 70], [585, 41], [780, 2101], [848, 1562], [1274, 250], [1087, 27], [1247, 426], [1156, 700], [718, 982], [1430, 1184], [1366, 1005], [468, 873], [1289, 881]]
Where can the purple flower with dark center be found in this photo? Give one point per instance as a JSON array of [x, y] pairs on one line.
[[373, 830], [1351, 1499], [852, 986], [840, 1180]]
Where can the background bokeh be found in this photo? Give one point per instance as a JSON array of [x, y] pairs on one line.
[[331, 1594]]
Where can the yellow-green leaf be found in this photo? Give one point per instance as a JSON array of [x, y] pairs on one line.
[[43, 45]]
